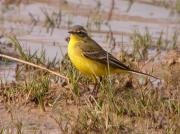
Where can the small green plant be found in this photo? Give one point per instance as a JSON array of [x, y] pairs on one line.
[[175, 40], [38, 89], [159, 42], [52, 20], [177, 7], [141, 44]]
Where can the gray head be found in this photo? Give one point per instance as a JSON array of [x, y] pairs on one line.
[[78, 30]]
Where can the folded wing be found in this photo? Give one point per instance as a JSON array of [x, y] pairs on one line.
[[96, 52]]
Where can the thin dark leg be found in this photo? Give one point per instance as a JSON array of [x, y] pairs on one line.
[[96, 86], [100, 79]]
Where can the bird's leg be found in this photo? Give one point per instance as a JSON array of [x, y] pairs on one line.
[[100, 79], [96, 86]]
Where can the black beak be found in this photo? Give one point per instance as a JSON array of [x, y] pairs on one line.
[[67, 39]]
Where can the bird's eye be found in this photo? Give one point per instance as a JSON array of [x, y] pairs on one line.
[[82, 34]]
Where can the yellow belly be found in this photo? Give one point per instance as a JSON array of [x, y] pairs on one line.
[[86, 65]]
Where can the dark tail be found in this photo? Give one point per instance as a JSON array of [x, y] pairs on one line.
[[138, 72]]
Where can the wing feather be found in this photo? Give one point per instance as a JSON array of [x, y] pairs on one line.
[[96, 52]]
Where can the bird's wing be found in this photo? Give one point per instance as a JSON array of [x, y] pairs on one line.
[[94, 51]]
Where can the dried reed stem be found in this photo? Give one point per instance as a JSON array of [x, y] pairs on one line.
[[34, 65]]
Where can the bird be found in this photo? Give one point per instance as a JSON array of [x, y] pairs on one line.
[[91, 59]]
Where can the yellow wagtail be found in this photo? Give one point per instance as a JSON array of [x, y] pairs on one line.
[[90, 58]]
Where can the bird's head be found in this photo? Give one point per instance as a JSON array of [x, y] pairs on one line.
[[78, 32]]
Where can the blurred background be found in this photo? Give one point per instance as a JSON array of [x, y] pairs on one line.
[[117, 25]]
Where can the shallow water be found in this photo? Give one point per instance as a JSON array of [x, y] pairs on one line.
[[7, 72], [141, 16]]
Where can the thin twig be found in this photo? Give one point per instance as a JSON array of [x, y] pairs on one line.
[[34, 65]]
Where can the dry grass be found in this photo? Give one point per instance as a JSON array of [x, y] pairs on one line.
[[125, 104]]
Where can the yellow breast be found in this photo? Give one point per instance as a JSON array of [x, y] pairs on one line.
[[82, 63]]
